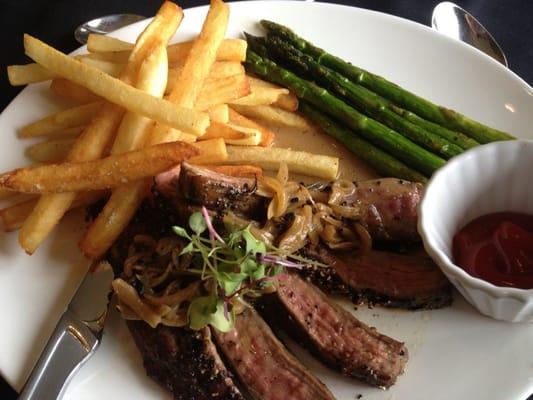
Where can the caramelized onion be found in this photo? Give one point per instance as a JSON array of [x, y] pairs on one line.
[[175, 298], [340, 190]]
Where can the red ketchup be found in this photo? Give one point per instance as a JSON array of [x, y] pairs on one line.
[[497, 248]]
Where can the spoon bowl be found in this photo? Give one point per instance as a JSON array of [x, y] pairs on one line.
[[104, 25], [451, 20]]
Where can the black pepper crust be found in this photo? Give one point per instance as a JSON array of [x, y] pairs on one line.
[[184, 362]]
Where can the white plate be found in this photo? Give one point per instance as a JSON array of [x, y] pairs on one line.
[[455, 353]]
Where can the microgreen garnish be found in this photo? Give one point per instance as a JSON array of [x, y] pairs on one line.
[[230, 267]]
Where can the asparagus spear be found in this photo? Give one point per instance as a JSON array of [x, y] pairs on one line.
[[258, 44], [384, 137], [401, 97], [360, 97], [456, 137], [382, 162]]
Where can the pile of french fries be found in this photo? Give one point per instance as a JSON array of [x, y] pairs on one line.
[[140, 109]]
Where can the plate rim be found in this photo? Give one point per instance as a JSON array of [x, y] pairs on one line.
[[384, 15]]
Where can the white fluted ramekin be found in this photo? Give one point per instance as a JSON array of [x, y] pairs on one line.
[[496, 177]]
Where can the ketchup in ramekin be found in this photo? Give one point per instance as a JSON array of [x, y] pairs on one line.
[[497, 248]]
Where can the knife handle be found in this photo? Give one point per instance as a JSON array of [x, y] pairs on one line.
[[69, 346]]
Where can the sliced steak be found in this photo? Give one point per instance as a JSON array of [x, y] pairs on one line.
[[183, 361], [388, 205], [264, 365], [410, 281], [334, 335], [218, 192]]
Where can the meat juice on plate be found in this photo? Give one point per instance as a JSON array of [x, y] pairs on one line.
[[316, 142]]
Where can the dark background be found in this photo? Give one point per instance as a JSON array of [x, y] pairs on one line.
[[54, 21]]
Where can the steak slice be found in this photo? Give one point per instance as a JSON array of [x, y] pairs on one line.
[[409, 281], [334, 335], [203, 187], [185, 362], [388, 207], [264, 365]]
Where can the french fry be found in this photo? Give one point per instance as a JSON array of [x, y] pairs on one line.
[[176, 136], [219, 70], [201, 56], [287, 102], [112, 50], [222, 75], [67, 133], [33, 73], [14, 216], [50, 151], [50, 208], [113, 219], [233, 134], [222, 69], [299, 162], [70, 90], [261, 96], [274, 116], [99, 174], [104, 43], [110, 61], [210, 152], [73, 117], [115, 90], [219, 113], [111, 68], [229, 50], [118, 57], [133, 131], [241, 171], [240, 131], [24, 74], [267, 136], [222, 91], [152, 79], [200, 59]]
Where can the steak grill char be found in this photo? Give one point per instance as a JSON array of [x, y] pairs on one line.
[[186, 363]]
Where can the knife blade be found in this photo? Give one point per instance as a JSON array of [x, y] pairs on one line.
[[75, 338]]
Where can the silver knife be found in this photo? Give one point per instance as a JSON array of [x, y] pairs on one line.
[[75, 338]]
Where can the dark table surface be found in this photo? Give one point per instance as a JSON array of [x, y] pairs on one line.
[[55, 20]]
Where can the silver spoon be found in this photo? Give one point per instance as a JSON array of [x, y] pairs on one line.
[[453, 21], [105, 24]]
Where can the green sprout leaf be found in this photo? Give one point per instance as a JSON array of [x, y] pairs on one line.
[[178, 230], [253, 246], [197, 223], [187, 249], [208, 310], [259, 272], [230, 281], [248, 266], [231, 269]]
